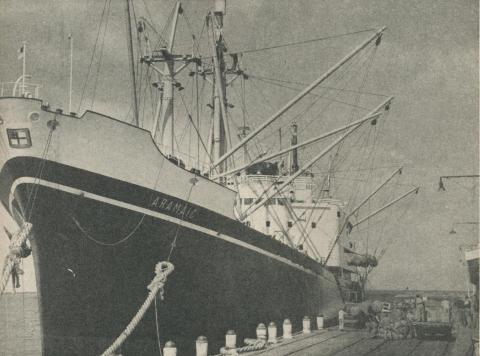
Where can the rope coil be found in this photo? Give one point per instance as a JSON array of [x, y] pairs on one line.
[[162, 270]]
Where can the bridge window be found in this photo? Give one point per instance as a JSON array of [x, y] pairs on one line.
[[267, 223], [290, 224], [314, 224], [19, 138]]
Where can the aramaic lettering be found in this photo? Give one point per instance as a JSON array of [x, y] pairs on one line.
[[177, 208]]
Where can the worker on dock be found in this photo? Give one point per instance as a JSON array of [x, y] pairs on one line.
[[372, 322], [467, 311], [419, 308], [410, 317]]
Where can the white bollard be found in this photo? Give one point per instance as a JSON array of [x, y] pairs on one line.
[[287, 329], [272, 333], [306, 325], [341, 320], [230, 340], [202, 346], [170, 349], [261, 332], [320, 322]]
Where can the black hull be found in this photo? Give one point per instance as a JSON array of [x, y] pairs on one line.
[[94, 261]]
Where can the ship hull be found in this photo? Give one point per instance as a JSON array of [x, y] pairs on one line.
[[96, 241]]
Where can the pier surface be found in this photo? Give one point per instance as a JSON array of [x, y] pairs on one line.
[[358, 343], [20, 336]]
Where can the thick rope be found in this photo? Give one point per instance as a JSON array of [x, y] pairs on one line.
[[162, 270], [259, 345], [14, 256], [256, 345]]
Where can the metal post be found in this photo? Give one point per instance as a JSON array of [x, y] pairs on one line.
[[71, 74], [24, 66], [131, 60]]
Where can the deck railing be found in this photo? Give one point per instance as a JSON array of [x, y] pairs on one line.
[[18, 89]]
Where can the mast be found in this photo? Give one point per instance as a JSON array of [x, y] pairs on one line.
[[132, 61], [167, 117], [164, 118], [220, 124]]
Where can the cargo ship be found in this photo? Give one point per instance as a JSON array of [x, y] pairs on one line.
[[108, 199]]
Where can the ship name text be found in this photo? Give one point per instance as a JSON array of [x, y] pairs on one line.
[[180, 209]]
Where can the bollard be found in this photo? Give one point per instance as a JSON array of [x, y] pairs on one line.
[[230, 340], [272, 333], [170, 349], [287, 329], [320, 322], [261, 332], [202, 346], [341, 320], [306, 325]]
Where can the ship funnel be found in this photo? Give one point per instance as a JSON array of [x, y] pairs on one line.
[[294, 153]]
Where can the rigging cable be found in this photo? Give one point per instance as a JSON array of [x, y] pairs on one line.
[[196, 130], [318, 39], [311, 93], [340, 77], [266, 191], [320, 86], [93, 56], [101, 55]]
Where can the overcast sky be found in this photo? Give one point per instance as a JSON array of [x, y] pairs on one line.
[[428, 60]]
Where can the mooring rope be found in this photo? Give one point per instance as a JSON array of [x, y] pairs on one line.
[[15, 254], [162, 270]]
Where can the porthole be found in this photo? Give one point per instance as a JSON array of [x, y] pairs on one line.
[[34, 116]]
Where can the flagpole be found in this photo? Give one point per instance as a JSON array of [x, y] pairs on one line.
[[23, 67], [71, 74]]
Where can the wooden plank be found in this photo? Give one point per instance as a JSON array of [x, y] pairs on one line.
[[331, 346], [431, 348], [396, 348], [299, 342], [363, 348]]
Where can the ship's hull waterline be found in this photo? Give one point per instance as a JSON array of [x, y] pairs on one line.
[[96, 241]]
